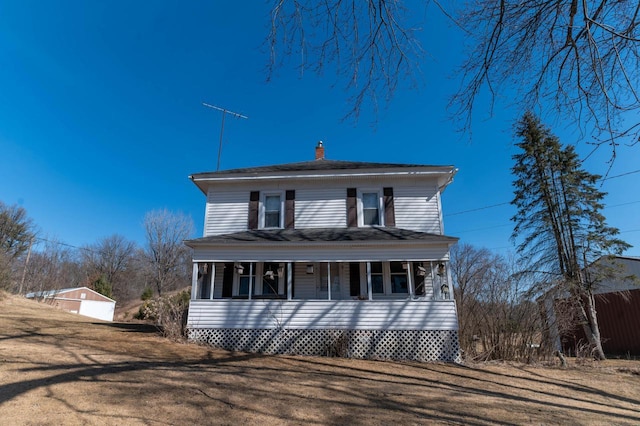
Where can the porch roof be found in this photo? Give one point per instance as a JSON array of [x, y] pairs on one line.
[[322, 235]]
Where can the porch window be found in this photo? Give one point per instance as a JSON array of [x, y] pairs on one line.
[[377, 278], [248, 276], [398, 278]]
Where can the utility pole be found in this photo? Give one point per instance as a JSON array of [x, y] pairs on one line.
[[26, 262], [224, 113]]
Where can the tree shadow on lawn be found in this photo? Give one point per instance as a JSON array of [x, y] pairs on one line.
[[134, 327], [584, 393], [355, 381], [234, 364]]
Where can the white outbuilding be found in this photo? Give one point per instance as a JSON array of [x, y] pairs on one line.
[[79, 300]]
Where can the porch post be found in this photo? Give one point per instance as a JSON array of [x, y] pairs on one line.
[[329, 280], [251, 278], [369, 285], [213, 279], [194, 281], [412, 290], [289, 281], [449, 280]]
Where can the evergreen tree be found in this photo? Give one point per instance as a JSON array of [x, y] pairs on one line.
[[102, 286], [558, 219]]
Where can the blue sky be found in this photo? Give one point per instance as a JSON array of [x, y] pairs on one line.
[[101, 119]]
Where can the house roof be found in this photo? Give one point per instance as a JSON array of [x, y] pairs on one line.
[[57, 293], [314, 165], [321, 235], [323, 168]]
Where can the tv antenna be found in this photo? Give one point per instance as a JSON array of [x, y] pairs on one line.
[[224, 113]]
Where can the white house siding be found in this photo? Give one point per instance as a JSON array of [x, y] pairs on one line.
[[416, 208], [97, 309], [316, 314], [217, 280], [226, 212], [321, 208], [304, 284]]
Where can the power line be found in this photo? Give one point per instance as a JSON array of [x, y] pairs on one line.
[[477, 209], [620, 175]]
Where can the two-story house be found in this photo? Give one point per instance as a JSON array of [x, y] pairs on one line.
[[325, 257]]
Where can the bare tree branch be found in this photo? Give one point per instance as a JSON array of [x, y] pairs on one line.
[[367, 43], [581, 56]]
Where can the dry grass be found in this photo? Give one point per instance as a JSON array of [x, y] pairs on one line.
[[59, 368]]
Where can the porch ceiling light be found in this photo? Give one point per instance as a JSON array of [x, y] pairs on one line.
[[269, 274], [239, 268], [422, 271], [310, 268], [405, 265]]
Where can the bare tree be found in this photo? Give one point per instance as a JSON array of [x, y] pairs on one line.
[[165, 252], [497, 319], [580, 59], [110, 257], [53, 267], [470, 267], [17, 232]]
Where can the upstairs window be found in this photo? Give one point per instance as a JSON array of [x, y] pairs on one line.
[[369, 206], [272, 210]]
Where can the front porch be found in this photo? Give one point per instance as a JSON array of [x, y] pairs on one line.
[[375, 280], [365, 293]]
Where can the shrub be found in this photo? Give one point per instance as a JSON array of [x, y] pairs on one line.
[[169, 313]]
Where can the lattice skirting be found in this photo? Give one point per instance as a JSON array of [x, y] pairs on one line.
[[418, 345]]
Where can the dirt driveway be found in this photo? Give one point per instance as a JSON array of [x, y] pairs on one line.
[[58, 368]]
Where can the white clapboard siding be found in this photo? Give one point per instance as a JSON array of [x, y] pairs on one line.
[[321, 208], [217, 280], [305, 284], [344, 314], [227, 212], [416, 208]]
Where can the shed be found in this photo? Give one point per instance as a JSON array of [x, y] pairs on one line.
[[78, 300], [617, 302]]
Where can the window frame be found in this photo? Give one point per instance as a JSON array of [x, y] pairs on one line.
[[387, 280], [360, 204], [262, 211], [402, 273], [250, 272]]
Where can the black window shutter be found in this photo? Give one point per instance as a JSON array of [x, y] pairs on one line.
[[227, 280], [254, 200], [354, 279], [389, 210], [352, 208], [289, 209]]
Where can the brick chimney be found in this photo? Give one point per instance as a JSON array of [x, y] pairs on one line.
[[319, 151]]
